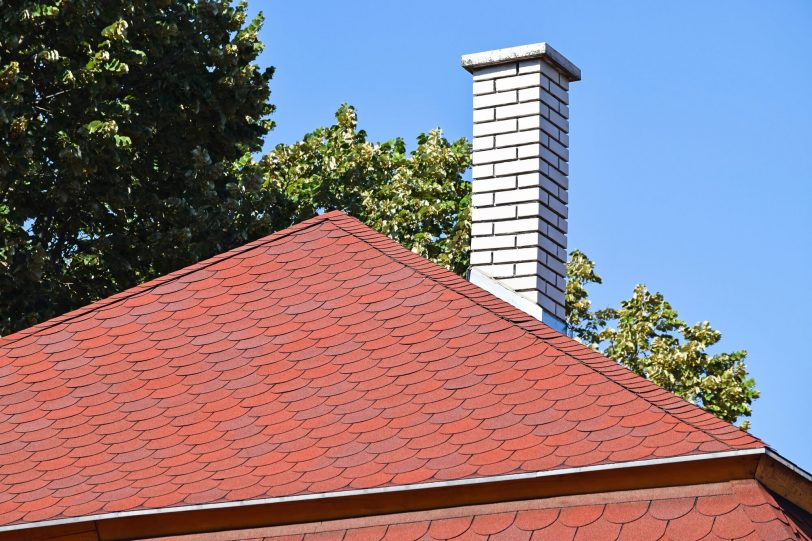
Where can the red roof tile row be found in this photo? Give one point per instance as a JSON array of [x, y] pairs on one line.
[[322, 358], [741, 510]]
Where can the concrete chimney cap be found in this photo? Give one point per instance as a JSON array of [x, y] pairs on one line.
[[533, 51]]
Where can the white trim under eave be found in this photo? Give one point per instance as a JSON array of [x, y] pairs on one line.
[[404, 488]]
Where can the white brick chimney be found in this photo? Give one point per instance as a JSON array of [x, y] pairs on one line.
[[519, 216]]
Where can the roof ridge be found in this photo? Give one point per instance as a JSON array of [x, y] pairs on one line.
[[154, 283], [693, 416]]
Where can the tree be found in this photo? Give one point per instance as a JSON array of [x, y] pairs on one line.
[[126, 138], [126, 129], [646, 335], [419, 199]]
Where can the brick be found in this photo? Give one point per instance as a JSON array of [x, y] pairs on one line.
[[498, 271], [559, 207], [519, 109], [484, 115], [519, 81], [515, 196], [483, 87], [530, 66], [516, 166], [550, 190], [530, 94], [559, 93], [497, 155], [548, 215], [536, 122], [549, 128], [529, 151], [557, 236], [482, 228], [481, 258], [524, 269], [483, 143], [499, 126], [515, 256], [520, 138], [496, 213], [493, 243], [493, 184], [551, 101], [482, 199], [556, 294], [539, 180], [557, 262], [493, 72], [546, 274], [536, 178], [548, 156], [492, 100], [526, 210], [519, 226], [482, 171], [527, 239], [558, 178], [547, 304], [529, 122], [561, 122], [560, 150]]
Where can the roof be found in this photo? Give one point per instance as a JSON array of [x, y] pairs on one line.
[[322, 358], [731, 510]]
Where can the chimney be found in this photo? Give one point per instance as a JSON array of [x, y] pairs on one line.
[[519, 215]]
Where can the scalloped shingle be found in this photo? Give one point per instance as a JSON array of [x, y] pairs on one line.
[[322, 358]]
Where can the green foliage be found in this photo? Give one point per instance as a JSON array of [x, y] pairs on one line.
[[646, 335], [580, 273], [418, 198], [123, 131], [126, 135]]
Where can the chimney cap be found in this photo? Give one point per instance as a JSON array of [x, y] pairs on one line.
[[542, 50]]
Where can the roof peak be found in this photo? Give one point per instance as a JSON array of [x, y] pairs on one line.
[[322, 358]]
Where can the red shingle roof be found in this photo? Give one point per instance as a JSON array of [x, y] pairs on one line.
[[734, 510], [322, 358]]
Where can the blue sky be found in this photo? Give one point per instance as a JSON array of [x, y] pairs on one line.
[[691, 152]]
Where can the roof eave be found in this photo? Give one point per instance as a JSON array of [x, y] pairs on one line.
[[760, 463]]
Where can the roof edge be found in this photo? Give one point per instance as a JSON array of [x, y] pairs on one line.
[[149, 285], [656, 473], [677, 407]]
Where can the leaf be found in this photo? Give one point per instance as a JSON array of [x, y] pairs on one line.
[[116, 31], [123, 141], [646, 335]]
